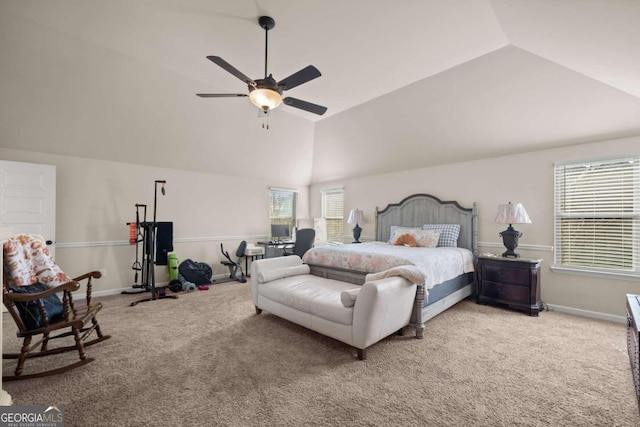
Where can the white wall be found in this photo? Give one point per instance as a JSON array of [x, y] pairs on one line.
[[526, 178], [96, 198], [113, 123], [65, 95]]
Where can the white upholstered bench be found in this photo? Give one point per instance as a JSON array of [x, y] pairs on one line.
[[356, 315]]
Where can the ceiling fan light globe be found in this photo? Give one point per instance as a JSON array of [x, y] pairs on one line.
[[268, 98]]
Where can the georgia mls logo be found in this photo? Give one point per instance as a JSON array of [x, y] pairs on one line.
[[53, 408], [32, 416]]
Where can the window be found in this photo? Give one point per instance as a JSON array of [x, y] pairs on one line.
[[333, 214], [597, 216], [282, 208]]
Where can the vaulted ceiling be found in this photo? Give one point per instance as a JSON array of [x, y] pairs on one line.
[[422, 82]]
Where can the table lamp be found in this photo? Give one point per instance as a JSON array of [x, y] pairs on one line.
[[356, 216], [511, 214]]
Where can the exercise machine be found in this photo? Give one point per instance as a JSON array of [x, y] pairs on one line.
[[149, 230], [234, 266], [137, 236]]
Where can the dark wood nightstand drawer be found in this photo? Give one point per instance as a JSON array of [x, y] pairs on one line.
[[511, 276], [511, 282], [507, 293]]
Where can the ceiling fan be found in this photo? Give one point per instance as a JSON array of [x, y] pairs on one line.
[[266, 93]]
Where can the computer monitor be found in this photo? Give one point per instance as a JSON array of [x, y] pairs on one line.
[[279, 231]]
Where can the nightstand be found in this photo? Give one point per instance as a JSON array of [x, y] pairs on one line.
[[514, 282]]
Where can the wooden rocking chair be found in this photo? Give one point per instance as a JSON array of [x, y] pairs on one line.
[[28, 265]]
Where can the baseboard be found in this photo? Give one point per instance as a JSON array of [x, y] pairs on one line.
[[118, 291], [587, 313]]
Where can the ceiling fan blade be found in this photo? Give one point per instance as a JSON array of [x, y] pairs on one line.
[[220, 95], [231, 69], [296, 79], [304, 105]]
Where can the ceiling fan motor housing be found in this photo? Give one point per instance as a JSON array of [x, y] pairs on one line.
[[268, 83], [266, 22]]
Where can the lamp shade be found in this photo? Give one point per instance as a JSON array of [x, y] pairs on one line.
[[512, 213], [355, 216], [266, 99]]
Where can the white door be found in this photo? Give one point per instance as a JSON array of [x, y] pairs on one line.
[[28, 199]]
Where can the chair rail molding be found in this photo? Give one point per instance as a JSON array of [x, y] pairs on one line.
[[541, 248], [70, 245]]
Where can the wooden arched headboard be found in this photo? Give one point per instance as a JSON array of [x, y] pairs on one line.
[[419, 209]]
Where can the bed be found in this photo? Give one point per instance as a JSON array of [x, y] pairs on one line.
[[352, 262]]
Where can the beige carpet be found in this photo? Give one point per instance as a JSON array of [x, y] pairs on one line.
[[206, 359]]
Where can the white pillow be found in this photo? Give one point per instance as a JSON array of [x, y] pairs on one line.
[[348, 298], [280, 273]]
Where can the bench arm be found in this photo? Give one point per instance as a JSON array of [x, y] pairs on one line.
[[260, 265], [382, 307]]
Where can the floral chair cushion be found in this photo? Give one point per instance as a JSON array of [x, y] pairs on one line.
[[27, 261]]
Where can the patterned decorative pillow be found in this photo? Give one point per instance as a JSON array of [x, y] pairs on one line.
[[27, 261], [427, 238], [405, 239], [397, 230], [448, 233]]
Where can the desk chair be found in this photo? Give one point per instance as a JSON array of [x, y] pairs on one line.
[[304, 241]]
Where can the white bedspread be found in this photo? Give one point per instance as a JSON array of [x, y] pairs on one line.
[[437, 264]]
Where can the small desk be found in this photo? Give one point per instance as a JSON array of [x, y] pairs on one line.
[[253, 257], [281, 244]]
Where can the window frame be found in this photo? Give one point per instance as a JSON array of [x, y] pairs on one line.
[[291, 221], [323, 206], [627, 205]]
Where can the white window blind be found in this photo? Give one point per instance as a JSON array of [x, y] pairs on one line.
[[282, 207], [597, 216], [333, 213]]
